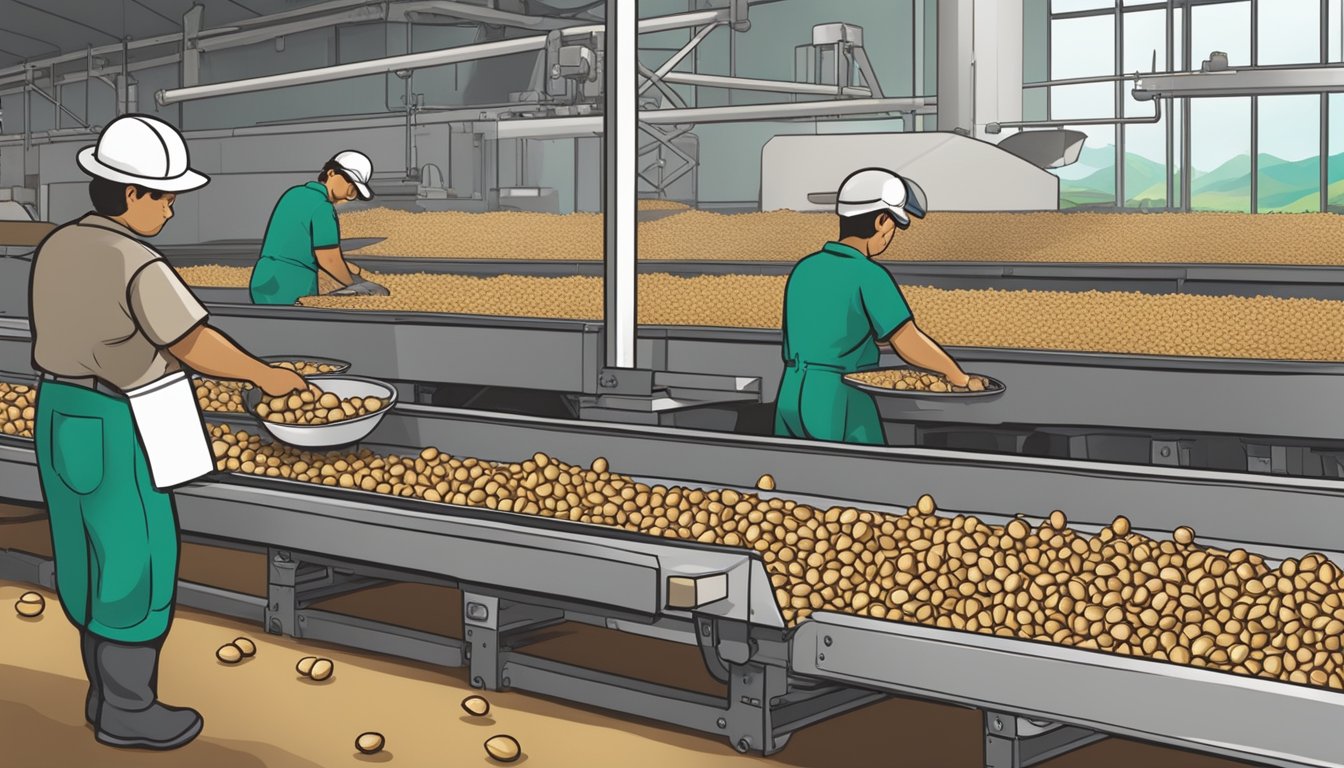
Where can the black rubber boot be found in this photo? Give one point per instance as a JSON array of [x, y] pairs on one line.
[[88, 646], [130, 715]]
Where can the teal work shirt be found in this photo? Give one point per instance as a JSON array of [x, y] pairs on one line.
[[838, 305], [304, 220]]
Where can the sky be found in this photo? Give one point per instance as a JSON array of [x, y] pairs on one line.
[[1220, 127]]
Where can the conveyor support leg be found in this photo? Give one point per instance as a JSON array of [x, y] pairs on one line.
[[1013, 742], [281, 605], [753, 692], [480, 627], [487, 623]]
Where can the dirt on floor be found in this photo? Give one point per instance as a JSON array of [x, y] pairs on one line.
[[262, 713]]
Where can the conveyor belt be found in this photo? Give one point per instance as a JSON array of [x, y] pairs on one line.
[[1262, 721], [1165, 395], [1200, 279], [618, 579], [1220, 506]]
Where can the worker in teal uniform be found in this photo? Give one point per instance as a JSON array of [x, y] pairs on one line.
[[304, 236], [110, 318], [839, 305]]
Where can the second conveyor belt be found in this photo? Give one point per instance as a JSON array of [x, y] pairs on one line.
[[625, 579], [1277, 280], [1244, 398]]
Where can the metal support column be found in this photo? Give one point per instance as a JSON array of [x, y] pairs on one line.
[[752, 693], [281, 603], [124, 85], [27, 121], [917, 58], [1119, 106], [480, 623], [191, 54], [1013, 742], [956, 79], [1171, 116], [489, 623], [412, 167], [620, 120], [1255, 110], [56, 96], [88, 81], [1185, 115], [1325, 110]]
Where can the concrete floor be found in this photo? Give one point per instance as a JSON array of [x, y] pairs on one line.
[[261, 713]]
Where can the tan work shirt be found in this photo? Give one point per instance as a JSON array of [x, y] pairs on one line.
[[103, 303]]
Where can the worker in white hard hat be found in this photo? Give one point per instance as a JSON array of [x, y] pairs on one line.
[[839, 305], [117, 424], [303, 236]]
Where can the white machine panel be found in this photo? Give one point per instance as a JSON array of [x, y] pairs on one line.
[[957, 172]]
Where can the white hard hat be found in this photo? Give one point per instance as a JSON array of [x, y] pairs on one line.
[[877, 189], [358, 168], [142, 150]]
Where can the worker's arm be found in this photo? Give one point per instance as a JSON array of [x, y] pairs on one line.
[[172, 318], [206, 350], [916, 348], [333, 263]]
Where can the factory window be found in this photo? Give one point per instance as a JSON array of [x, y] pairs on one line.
[[1282, 172], [1091, 180], [1224, 27], [1220, 163], [1145, 35], [1289, 31], [1146, 165], [1289, 160], [1082, 47], [1069, 6]]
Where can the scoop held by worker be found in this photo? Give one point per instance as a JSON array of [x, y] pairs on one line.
[[118, 426], [302, 245], [839, 305]]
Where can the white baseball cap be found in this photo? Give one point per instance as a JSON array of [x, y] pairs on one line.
[[358, 168], [142, 150], [877, 189]]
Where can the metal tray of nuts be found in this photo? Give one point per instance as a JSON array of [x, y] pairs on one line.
[[883, 382], [337, 366]]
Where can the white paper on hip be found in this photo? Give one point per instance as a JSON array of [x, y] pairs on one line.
[[169, 423]]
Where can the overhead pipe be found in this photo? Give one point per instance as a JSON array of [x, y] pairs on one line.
[[480, 14], [1260, 81], [389, 65], [392, 64], [770, 86], [789, 111], [221, 39], [994, 128]]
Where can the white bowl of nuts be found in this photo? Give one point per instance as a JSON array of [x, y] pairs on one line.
[[335, 410]]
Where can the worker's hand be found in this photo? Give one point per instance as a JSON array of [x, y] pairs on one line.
[[959, 379], [277, 381], [362, 287]]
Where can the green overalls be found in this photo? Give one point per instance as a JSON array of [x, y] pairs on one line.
[[838, 305], [114, 536], [304, 220]]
